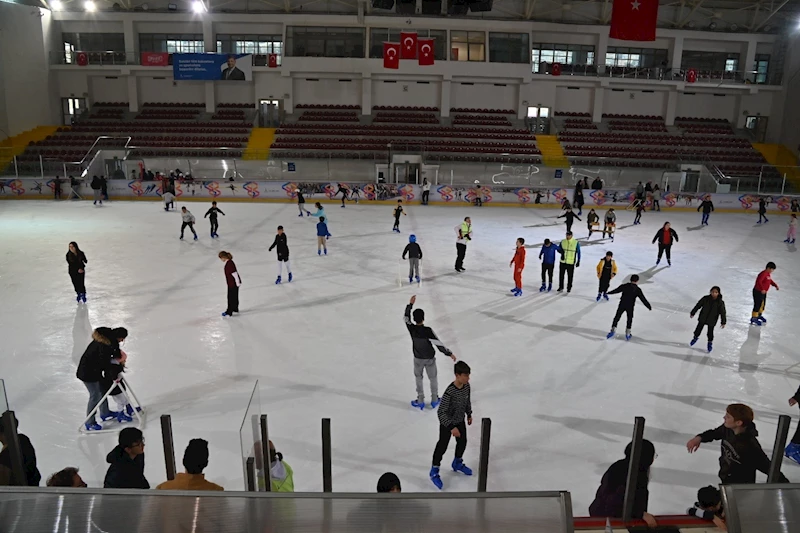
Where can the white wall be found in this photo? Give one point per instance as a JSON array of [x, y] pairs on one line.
[[634, 102], [406, 93], [484, 95], [72, 83], [165, 90], [327, 91], [576, 100], [705, 105], [235, 93], [108, 89], [539, 93]]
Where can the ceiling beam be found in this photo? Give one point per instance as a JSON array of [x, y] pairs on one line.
[[689, 15], [774, 11]]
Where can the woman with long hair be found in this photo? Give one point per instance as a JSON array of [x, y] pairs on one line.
[[234, 282], [76, 260]]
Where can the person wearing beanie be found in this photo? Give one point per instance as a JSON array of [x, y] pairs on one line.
[[96, 362], [195, 460], [414, 256], [280, 473], [389, 482], [712, 309]]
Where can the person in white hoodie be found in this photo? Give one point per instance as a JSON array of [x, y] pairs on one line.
[[426, 191], [169, 200], [188, 220]]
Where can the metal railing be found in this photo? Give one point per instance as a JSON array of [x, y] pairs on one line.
[[112, 58], [684, 74]]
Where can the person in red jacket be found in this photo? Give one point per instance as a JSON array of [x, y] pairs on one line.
[[234, 282], [518, 262], [763, 283]]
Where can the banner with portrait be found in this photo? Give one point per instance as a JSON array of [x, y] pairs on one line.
[[225, 67]]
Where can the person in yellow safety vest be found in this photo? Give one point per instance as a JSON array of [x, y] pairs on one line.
[[280, 473], [570, 250], [463, 235]]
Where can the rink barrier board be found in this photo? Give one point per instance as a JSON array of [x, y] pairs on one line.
[[388, 194]]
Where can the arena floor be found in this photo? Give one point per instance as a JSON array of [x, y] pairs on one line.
[[332, 343]]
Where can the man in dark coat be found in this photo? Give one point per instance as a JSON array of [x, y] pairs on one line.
[[126, 462], [32, 475], [712, 309], [97, 186]]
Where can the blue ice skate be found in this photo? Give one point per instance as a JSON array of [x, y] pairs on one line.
[[459, 466], [290, 277], [755, 321], [435, 403], [518, 293], [693, 341], [628, 335], [435, 479], [94, 426], [543, 288], [417, 278], [418, 404], [278, 281], [599, 295], [710, 347], [605, 296], [793, 452], [611, 333]]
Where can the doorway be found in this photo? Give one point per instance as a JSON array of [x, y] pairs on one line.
[[757, 126], [406, 172], [71, 109], [270, 113], [538, 120]]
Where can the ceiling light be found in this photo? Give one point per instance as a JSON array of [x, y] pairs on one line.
[[712, 26], [198, 6], [56, 5], [89, 6]]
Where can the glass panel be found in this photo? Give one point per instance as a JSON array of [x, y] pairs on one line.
[[250, 439], [544, 112], [3, 397]]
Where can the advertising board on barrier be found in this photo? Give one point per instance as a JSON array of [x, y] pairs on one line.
[[226, 67], [155, 59]]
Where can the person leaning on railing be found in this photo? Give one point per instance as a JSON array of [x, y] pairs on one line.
[[280, 473]]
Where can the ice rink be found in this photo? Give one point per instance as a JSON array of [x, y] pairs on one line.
[[332, 343]]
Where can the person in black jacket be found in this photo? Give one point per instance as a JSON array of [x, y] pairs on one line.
[[212, 213], [665, 237], [126, 462], [592, 221], [793, 448], [456, 405], [741, 454], [283, 254], [103, 188], [32, 475], [423, 339], [570, 216], [762, 210], [301, 203], [630, 292], [414, 253], [707, 206], [97, 187], [610, 497], [76, 260], [712, 309], [93, 366]]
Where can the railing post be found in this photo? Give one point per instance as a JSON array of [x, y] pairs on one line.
[[262, 420], [169, 446], [777, 451], [783, 185], [41, 166], [16, 168], [12, 443], [251, 476], [235, 170], [483, 463], [327, 476], [633, 469], [760, 174]]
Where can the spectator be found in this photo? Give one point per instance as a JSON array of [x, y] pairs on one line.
[[195, 460], [56, 188], [610, 497], [97, 187], [280, 473], [741, 453], [126, 462], [597, 184], [103, 188], [709, 507], [67, 477], [32, 475], [389, 482]]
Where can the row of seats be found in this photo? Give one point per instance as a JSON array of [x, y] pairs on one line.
[[326, 106], [128, 130], [671, 140], [588, 126], [326, 113], [402, 133], [385, 142], [239, 106], [648, 129], [172, 104], [234, 112], [703, 120], [218, 154], [476, 110], [620, 163], [718, 154], [111, 104], [352, 118], [478, 117], [709, 131], [572, 114], [407, 120], [433, 146], [664, 156], [639, 117], [312, 154], [368, 128], [459, 121], [484, 158], [384, 114], [404, 108]]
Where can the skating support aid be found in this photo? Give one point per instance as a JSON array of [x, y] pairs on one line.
[[138, 414]]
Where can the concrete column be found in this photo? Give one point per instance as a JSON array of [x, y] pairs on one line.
[[366, 95], [676, 54], [211, 102], [749, 62], [672, 107], [133, 93], [208, 35], [600, 52], [445, 105], [597, 106], [130, 36]]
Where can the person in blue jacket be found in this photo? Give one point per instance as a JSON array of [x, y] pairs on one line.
[[548, 252], [322, 236]]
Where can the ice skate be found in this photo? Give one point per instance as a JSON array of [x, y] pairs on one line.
[[755, 321], [83, 297], [110, 416], [278, 281], [693, 341], [435, 479], [628, 335], [549, 287], [611, 333], [290, 277], [181, 237], [710, 347], [518, 292], [94, 426], [435, 403], [326, 251], [418, 404], [669, 262], [599, 295], [78, 298], [560, 289], [658, 261], [543, 288], [123, 418], [762, 319], [319, 252], [459, 466], [792, 241], [195, 237], [129, 409], [792, 451], [410, 279], [418, 280], [300, 215], [605, 296]]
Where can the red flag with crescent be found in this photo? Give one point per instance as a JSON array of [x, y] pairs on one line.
[[391, 55], [425, 51], [409, 45]]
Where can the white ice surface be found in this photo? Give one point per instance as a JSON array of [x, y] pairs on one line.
[[332, 344]]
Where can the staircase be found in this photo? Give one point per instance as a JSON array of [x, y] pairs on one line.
[[783, 160], [258, 144], [552, 154], [14, 146]]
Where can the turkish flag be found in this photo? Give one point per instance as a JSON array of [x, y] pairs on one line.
[[409, 42], [425, 51], [391, 55], [82, 58], [272, 60], [691, 75], [634, 20], [555, 70]]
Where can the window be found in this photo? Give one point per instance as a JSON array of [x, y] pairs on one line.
[[710, 61], [172, 43], [565, 54], [508, 48], [377, 36], [730, 65], [468, 45], [258, 45], [101, 47], [617, 56], [325, 42], [762, 68]]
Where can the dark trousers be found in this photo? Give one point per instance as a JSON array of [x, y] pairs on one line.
[[796, 438], [425, 196], [762, 216], [444, 440], [699, 329], [214, 225], [77, 282], [656, 205], [569, 225], [57, 193], [191, 227], [628, 311], [461, 251], [604, 283], [664, 248], [705, 218], [479, 201], [96, 393], [547, 269], [759, 303], [233, 300], [396, 223], [637, 218], [570, 270]]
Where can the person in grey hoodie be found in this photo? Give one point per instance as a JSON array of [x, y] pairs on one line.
[[188, 220]]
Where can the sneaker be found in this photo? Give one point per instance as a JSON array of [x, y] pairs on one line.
[[418, 404], [793, 452], [693, 341], [459, 466], [290, 277], [435, 479], [710, 347], [435, 403], [94, 426], [611, 333]]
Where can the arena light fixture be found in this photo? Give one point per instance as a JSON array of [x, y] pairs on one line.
[[89, 6], [56, 5], [198, 6]]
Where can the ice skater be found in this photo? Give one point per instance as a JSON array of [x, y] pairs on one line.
[[570, 250], [518, 264], [188, 220], [763, 283], [426, 191], [343, 190], [414, 253], [169, 200], [233, 280], [283, 254], [577, 200], [762, 210], [76, 261], [320, 211], [791, 234], [456, 404], [610, 223], [301, 202], [423, 340], [639, 210], [355, 194], [707, 206], [606, 271], [569, 216], [712, 309], [97, 187], [592, 222], [665, 237], [548, 256], [397, 212], [212, 214], [94, 364], [463, 235], [630, 292], [794, 207], [793, 448], [322, 236]]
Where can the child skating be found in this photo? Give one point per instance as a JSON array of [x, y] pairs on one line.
[[283, 254], [188, 220], [592, 222], [610, 223], [397, 212], [343, 190], [639, 210], [320, 213], [455, 406], [414, 253], [606, 271], [763, 283], [712, 309], [707, 206], [212, 214], [791, 234], [548, 256], [518, 264], [630, 292], [762, 210], [792, 450], [301, 202], [322, 236], [569, 215]]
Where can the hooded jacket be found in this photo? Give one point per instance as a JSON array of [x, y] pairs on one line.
[[630, 291], [96, 360], [124, 472], [711, 310], [741, 454], [610, 496], [660, 236], [96, 184]]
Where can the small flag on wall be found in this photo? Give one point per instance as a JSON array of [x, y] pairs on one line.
[[425, 51], [409, 42], [634, 20], [391, 55], [272, 60]]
